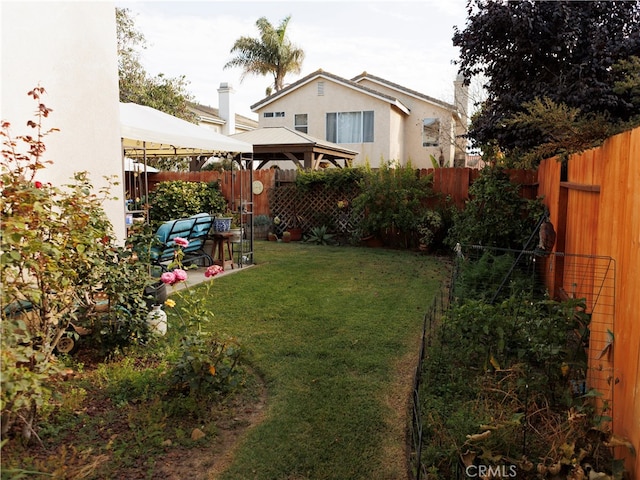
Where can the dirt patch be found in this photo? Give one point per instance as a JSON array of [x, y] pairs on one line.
[[207, 463], [395, 449]]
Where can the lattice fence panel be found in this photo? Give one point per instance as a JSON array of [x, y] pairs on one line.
[[314, 208]]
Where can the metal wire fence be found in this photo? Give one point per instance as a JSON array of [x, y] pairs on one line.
[[492, 275]]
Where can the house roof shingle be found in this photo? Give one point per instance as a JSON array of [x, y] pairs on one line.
[[321, 73], [213, 114], [287, 136], [422, 96]]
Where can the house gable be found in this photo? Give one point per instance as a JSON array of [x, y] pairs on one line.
[[320, 75], [365, 78]]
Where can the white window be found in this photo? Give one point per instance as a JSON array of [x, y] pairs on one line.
[[300, 122], [320, 89], [430, 132], [350, 127], [273, 114]]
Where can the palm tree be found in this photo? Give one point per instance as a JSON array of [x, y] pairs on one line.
[[272, 53]]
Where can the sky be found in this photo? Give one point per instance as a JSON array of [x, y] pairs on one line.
[[405, 42]]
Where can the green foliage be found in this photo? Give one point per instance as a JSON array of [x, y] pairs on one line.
[[565, 130], [392, 202], [168, 95], [517, 388], [495, 215], [58, 251], [334, 179], [207, 365], [529, 49], [178, 199], [479, 279], [262, 220], [429, 226], [204, 364], [319, 236]]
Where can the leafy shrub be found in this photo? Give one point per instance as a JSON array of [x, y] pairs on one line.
[[319, 236], [495, 214], [58, 251], [334, 179], [205, 363], [179, 199], [392, 203]]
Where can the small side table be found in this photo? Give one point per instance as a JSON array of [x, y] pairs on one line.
[[221, 241]]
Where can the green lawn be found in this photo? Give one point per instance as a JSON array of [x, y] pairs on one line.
[[324, 326]]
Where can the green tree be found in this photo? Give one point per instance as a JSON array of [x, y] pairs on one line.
[[166, 94], [272, 53], [563, 51]]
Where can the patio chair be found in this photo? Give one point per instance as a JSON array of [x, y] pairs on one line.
[[195, 229]]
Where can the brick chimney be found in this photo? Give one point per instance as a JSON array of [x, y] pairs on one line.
[[226, 108]]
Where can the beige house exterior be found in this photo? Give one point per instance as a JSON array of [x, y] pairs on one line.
[[69, 48], [381, 120]]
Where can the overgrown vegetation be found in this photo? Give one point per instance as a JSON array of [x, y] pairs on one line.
[[392, 202], [495, 215], [516, 399]]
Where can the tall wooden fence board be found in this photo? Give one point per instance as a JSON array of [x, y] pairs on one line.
[[596, 211]]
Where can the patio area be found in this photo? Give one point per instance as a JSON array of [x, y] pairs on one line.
[[196, 275]]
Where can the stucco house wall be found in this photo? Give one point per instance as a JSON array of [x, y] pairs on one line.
[[69, 48], [419, 109]]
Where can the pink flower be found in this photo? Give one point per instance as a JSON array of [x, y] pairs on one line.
[[180, 275], [183, 242], [213, 270], [168, 278]]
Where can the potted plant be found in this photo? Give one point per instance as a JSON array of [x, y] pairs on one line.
[[286, 236], [261, 224], [236, 228], [222, 221], [295, 228]]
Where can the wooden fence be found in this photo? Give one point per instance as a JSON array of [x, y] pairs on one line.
[[236, 185], [451, 182], [595, 207]]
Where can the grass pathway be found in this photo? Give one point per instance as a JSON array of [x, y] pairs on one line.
[[330, 330]]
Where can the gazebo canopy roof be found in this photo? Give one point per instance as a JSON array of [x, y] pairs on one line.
[[284, 144], [150, 132]]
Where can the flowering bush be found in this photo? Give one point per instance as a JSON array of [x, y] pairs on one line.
[[206, 364], [57, 251]]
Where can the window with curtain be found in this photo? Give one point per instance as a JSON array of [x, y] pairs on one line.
[[350, 127], [300, 122], [430, 132]]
